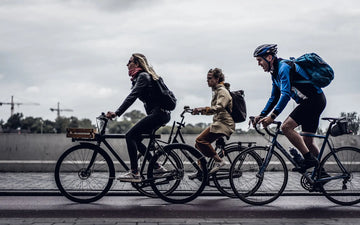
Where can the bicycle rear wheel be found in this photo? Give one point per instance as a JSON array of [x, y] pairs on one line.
[[186, 174], [221, 177], [84, 173], [252, 187], [344, 187]]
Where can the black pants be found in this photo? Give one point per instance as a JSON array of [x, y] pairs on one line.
[[145, 126]]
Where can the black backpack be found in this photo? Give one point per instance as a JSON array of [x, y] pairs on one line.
[[239, 106], [167, 98]]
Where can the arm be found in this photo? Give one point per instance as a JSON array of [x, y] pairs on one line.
[[222, 100], [274, 98], [141, 83], [285, 93]]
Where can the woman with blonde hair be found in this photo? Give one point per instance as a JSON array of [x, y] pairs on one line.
[[223, 123], [142, 76]]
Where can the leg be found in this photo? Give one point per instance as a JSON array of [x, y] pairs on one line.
[[294, 137], [144, 126], [203, 143], [309, 142]]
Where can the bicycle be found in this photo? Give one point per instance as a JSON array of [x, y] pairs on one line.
[[85, 172], [264, 175], [226, 151]]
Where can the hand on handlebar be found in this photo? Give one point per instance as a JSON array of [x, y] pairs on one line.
[[110, 115], [266, 121], [197, 111], [255, 120]]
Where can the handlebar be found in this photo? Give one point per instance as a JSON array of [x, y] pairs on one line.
[[187, 109], [103, 120], [277, 123]]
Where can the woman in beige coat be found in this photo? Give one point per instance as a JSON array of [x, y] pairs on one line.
[[223, 124]]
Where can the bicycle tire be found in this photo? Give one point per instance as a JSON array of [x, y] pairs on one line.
[[248, 185], [346, 190], [76, 182], [221, 177], [145, 187], [178, 172]]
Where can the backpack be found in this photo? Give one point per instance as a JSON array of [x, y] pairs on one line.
[[239, 106], [320, 73], [167, 98]]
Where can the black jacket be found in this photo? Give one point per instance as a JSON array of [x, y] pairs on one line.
[[144, 89]]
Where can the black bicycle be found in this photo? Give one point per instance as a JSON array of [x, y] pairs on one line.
[[85, 172], [227, 151], [264, 174]]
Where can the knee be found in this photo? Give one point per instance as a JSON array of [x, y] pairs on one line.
[[286, 128], [200, 141]]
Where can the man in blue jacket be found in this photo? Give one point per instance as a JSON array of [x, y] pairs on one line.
[[285, 85]]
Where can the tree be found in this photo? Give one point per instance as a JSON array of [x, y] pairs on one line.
[[61, 123], [353, 121], [14, 121], [134, 116]]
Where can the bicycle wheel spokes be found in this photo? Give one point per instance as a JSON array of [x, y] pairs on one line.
[[251, 186], [184, 178], [221, 177], [144, 187], [84, 174], [343, 186]]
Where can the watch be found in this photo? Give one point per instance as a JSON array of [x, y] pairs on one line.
[[273, 116]]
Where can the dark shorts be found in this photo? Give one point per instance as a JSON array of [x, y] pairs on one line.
[[307, 113]]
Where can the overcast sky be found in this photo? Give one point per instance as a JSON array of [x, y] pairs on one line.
[[75, 52]]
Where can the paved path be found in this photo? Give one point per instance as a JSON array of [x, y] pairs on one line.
[[147, 221], [137, 210], [44, 182]]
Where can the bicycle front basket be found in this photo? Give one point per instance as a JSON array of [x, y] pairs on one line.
[[81, 133], [340, 128]]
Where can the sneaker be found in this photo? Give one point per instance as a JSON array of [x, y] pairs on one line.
[[159, 171], [307, 163], [217, 166], [130, 177]]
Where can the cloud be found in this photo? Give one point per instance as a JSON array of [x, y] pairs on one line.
[[32, 89], [75, 52]]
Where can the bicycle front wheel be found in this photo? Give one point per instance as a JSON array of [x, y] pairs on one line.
[[343, 176], [185, 176], [221, 177], [84, 173], [254, 187]]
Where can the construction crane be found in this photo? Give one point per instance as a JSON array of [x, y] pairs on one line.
[[12, 104], [58, 110]]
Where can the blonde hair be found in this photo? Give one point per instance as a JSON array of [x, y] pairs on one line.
[[142, 61]]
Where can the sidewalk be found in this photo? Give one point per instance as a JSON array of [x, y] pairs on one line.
[[42, 183]]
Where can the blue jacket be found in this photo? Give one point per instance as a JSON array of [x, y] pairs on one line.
[[282, 89]]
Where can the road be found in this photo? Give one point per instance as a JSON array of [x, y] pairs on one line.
[[203, 210]]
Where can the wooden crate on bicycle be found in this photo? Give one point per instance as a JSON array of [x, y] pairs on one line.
[[80, 133]]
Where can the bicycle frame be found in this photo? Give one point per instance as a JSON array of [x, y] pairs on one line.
[[312, 179], [101, 137]]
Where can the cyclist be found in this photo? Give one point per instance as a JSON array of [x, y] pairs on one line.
[[311, 102], [142, 76], [223, 124]]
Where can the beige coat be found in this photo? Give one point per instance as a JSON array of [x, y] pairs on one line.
[[222, 121]]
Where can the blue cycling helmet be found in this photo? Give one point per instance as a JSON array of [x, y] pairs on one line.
[[266, 49]]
